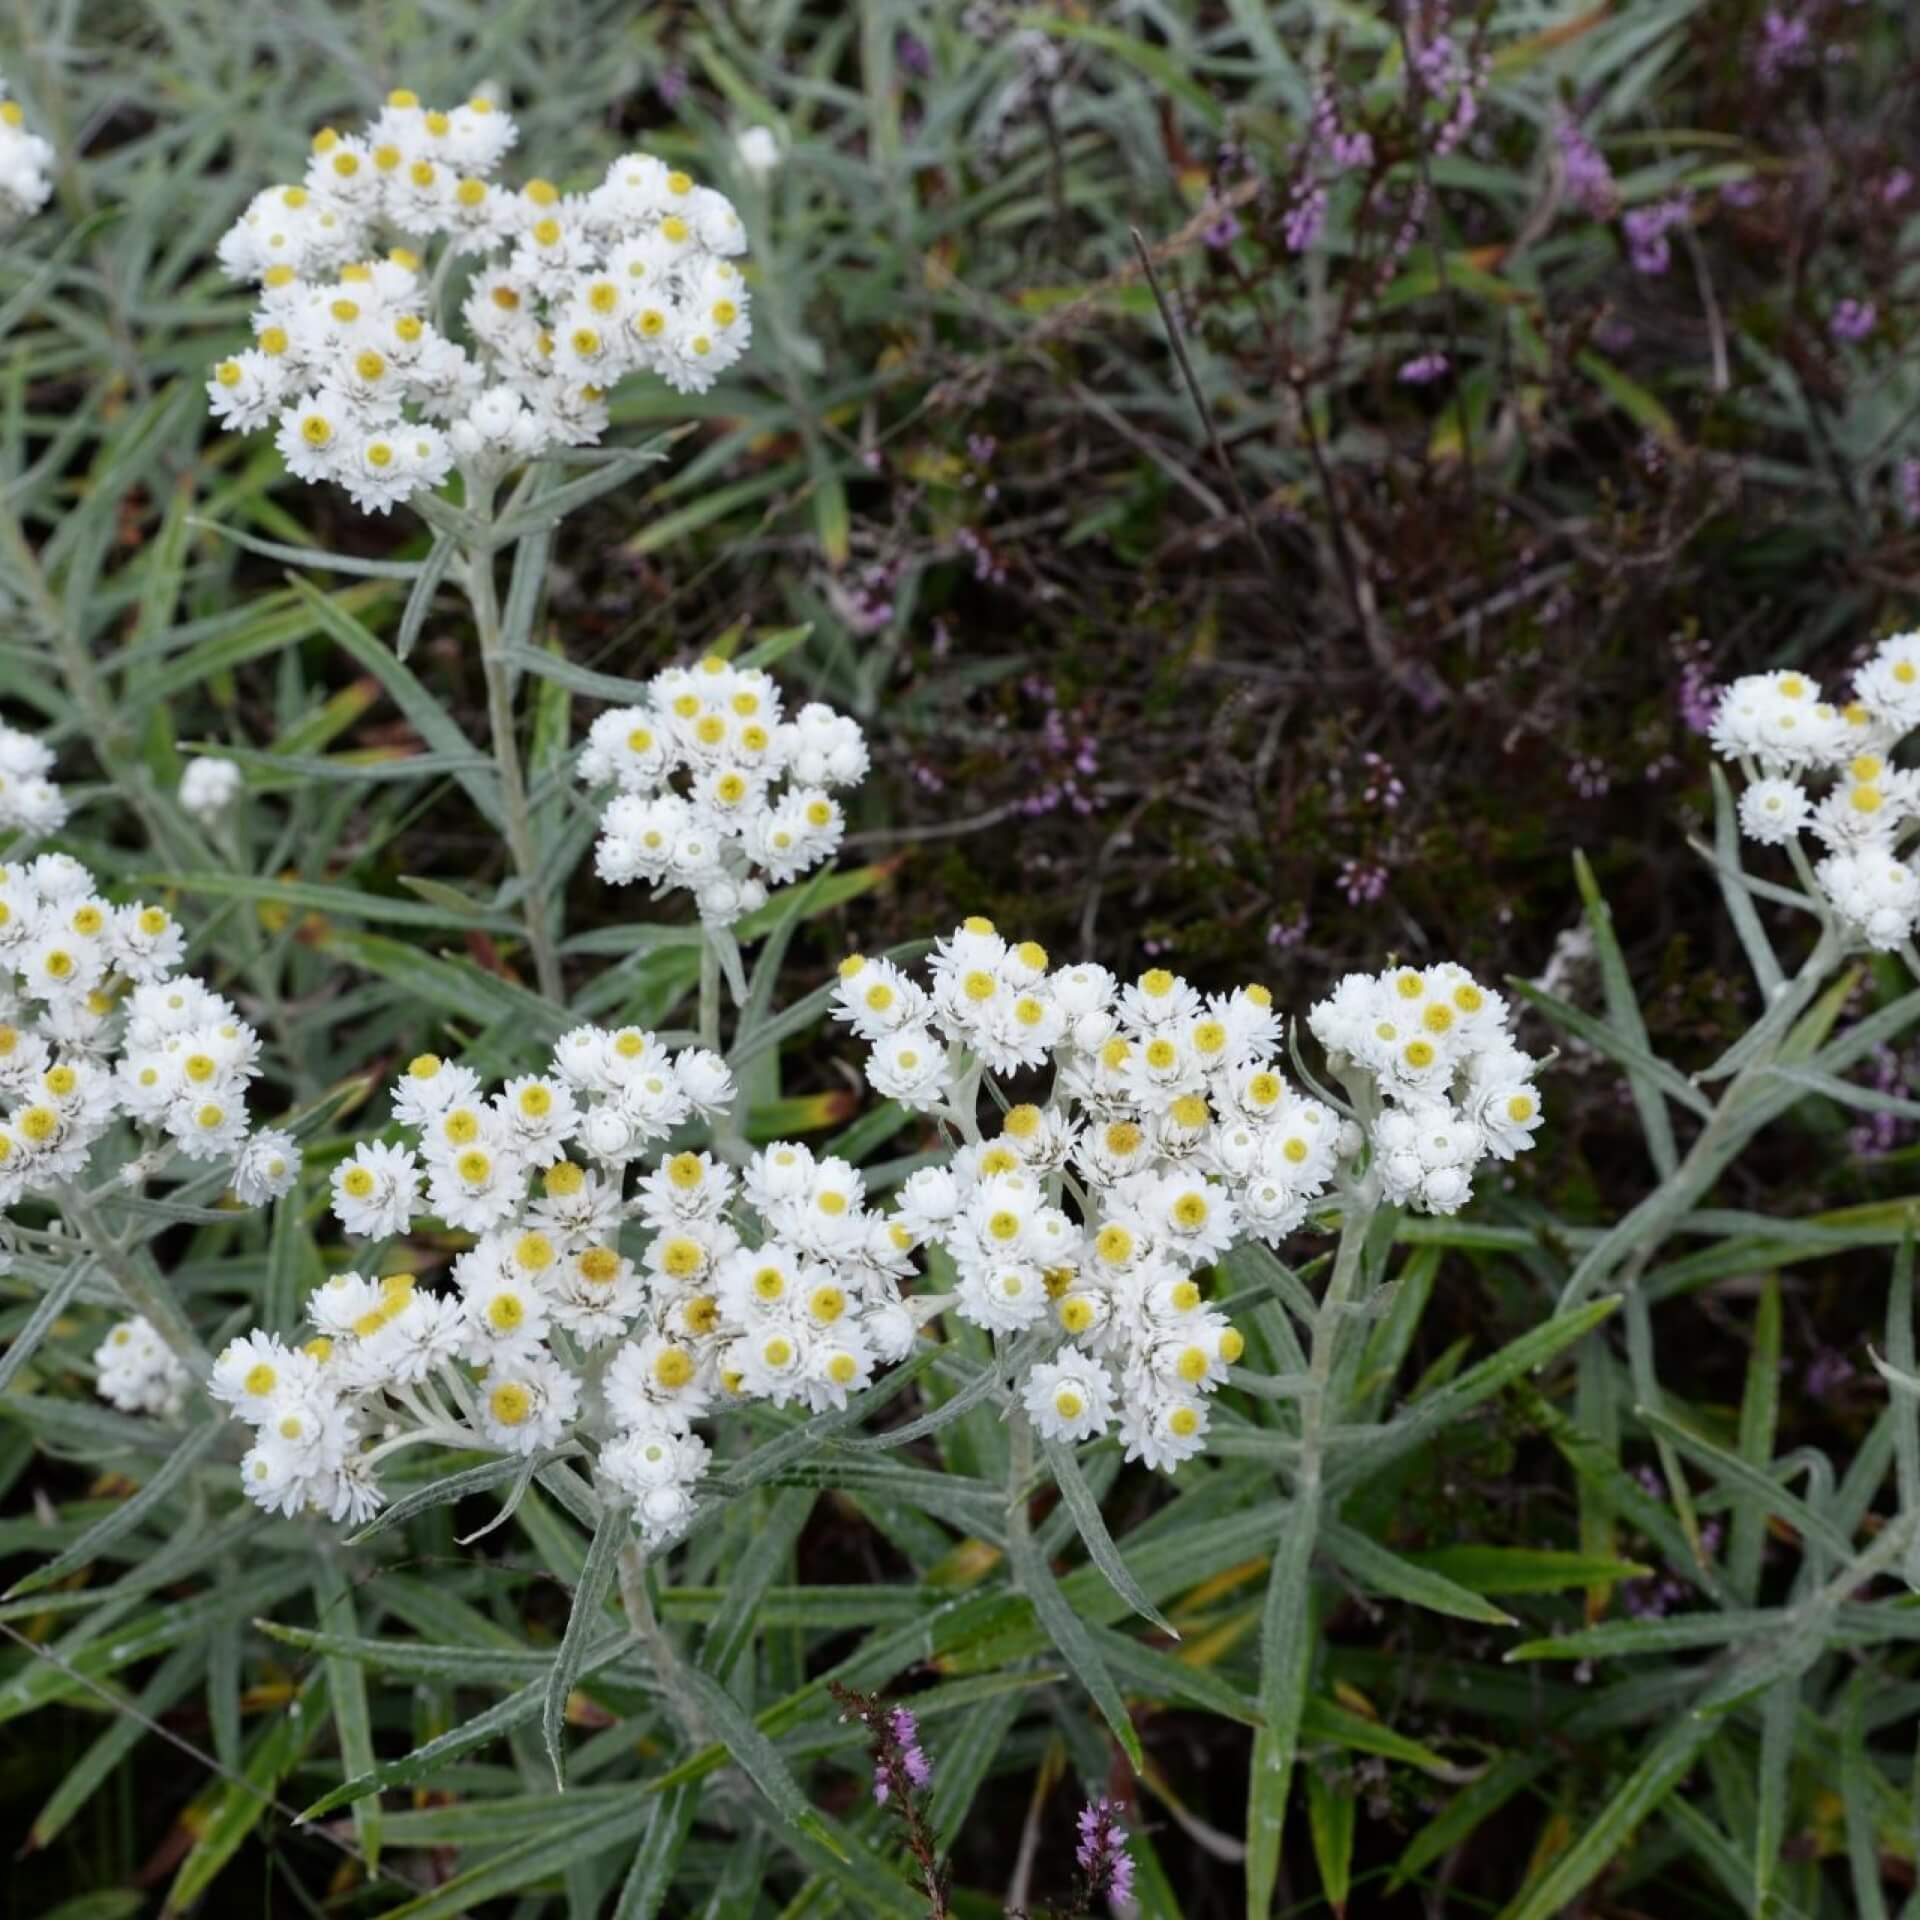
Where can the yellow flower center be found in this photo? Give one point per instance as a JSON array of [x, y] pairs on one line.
[[510, 1404], [681, 1257]]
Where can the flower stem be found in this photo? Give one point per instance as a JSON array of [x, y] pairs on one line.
[[1019, 1477], [638, 1605], [477, 577], [709, 993], [142, 1288]]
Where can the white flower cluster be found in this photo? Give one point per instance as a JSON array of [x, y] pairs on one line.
[[26, 165], [1787, 738], [565, 294], [1452, 1088], [137, 1372], [208, 787], [82, 981], [29, 801], [718, 793], [1170, 1124], [775, 1284]]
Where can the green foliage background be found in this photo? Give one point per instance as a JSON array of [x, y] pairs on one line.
[[1135, 703]]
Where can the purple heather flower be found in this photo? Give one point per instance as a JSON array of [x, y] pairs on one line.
[[1827, 1371], [1785, 42], [1102, 1852], [1895, 187], [1698, 698], [913, 54], [1361, 882], [906, 1733], [1588, 777], [1852, 320], [671, 86], [1909, 484], [1222, 231], [1349, 151], [1646, 230], [1423, 368], [1589, 178], [1306, 219]]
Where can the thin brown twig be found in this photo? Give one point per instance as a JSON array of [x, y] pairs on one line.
[[122, 1704], [1179, 346]]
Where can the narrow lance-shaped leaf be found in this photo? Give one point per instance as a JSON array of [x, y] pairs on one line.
[[1623, 1011], [1740, 909], [47, 1309], [1092, 1528], [1286, 1659], [1603, 1837], [1331, 1810], [1069, 1634], [347, 1691], [589, 1614], [193, 1447]]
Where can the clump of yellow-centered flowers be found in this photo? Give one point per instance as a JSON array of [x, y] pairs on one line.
[[677, 1287], [102, 1031], [1159, 1132], [365, 380], [1788, 739], [1451, 1087]]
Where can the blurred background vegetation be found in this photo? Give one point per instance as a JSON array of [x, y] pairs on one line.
[[1273, 480]]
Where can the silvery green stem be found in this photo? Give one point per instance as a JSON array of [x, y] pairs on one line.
[[709, 993], [477, 576], [637, 1602], [1362, 1204], [143, 1289], [1019, 1476]]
